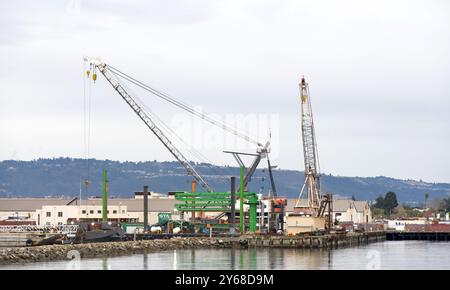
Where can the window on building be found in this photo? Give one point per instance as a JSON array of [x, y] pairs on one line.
[[99, 211], [114, 211], [123, 211], [60, 224], [48, 214], [91, 211], [107, 211], [60, 213], [83, 212]]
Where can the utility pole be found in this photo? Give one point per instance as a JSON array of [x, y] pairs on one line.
[[241, 201], [193, 189], [145, 193], [105, 197], [233, 205]]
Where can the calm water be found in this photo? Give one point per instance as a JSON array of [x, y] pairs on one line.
[[386, 255]]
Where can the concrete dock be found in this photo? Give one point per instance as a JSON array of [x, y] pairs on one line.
[[325, 241]]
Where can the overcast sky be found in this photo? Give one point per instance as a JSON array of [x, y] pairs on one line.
[[379, 75]]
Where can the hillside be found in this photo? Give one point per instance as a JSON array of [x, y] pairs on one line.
[[61, 177]]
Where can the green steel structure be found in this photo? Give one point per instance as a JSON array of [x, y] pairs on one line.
[[241, 200], [218, 202], [105, 197], [252, 201]]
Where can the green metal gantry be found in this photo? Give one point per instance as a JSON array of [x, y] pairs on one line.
[[219, 202]]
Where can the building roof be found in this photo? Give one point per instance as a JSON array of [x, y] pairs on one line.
[[360, 205], [32, 204], [29, 204], [342, 204], [291, 204]]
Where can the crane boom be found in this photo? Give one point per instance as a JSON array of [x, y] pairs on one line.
[[308, 135], [312, 183], [103, 68], [272, 180]]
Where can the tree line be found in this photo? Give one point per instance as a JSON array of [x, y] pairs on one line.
[[388, 206]]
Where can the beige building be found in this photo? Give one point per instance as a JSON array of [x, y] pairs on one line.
[[25, 208], [356, 211], [344, 210], [54, 211], [65, 214]]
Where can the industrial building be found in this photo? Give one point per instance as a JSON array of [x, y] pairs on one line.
[[57, 211], [54, 211]]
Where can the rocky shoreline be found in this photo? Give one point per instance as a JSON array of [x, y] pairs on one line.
[[109, 249], [93, 250]]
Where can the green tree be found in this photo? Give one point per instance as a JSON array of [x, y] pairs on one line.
[[390, 202], [446, 204], [379, 202], [378, 212]]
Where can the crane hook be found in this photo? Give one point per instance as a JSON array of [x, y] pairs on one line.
[[94, 75]]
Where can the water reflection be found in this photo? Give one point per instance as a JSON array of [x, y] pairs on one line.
[[241, 260], [330, 258], [145, 262], [193, 259], [175, 261], [386, 255], [233, 259], [105, 265]]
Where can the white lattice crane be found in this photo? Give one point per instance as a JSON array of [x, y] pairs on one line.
[[312, 183]]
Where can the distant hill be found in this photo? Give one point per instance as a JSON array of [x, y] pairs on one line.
[[61, 177]]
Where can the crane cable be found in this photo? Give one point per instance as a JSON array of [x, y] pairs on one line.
[[87, 127], [318, 171], [195, 153], [87, 124], [83, 176], [182, 105], [161, 123]]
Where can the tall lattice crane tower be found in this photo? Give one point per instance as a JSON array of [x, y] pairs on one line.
[[312, 183]]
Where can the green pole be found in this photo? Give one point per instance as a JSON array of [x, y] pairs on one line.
[[241, 201], [105, 197], [253, 201]]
